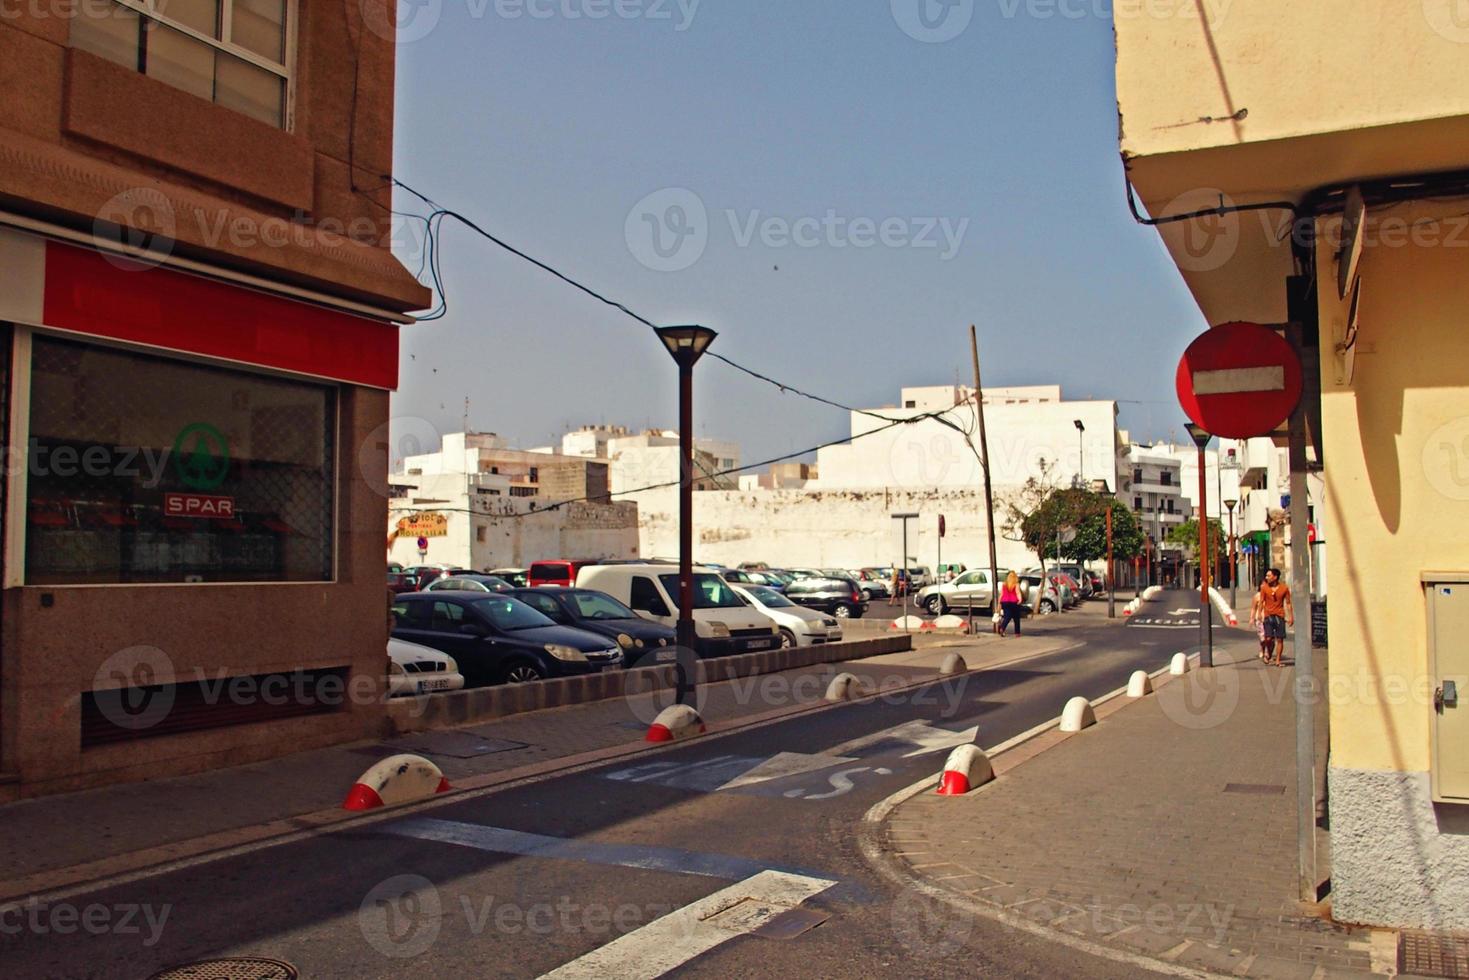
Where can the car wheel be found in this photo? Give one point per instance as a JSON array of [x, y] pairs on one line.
[[866, 595], [1047, 607], [842, 611], [524, 672], [787, 639], [936, 606]]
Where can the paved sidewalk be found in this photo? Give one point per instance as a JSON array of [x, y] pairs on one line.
[[1168, 830], [52, 841]]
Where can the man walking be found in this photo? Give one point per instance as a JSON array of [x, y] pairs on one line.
[[1278, 611]]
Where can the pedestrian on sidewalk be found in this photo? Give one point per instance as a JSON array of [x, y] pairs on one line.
[[1278, 611], [1010, 604], [894, 594]]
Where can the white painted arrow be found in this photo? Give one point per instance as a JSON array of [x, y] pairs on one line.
[[919, 733], [782, 765]]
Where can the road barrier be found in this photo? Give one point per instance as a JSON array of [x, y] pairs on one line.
[[452, 709], [398, 779], [1179, 665], [967, 768], [674, 724], [1077, 714], [953, 664], [1139, 685], [845, 687]]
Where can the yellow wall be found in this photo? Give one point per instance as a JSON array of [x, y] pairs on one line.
[[1297, 66], [1397, 477]]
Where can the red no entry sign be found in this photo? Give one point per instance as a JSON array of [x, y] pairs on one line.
[[1239, 380]]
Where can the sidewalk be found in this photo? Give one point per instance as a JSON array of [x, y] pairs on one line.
[[1167, 832], [56, 841]]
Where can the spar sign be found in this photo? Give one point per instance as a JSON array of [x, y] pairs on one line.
[[1239, 380]]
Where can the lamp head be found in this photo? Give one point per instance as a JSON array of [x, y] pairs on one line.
[[686, 343], [1199, 435]]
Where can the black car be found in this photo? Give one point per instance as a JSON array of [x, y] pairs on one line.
[[598, 612], [841, 597], [497, 639]]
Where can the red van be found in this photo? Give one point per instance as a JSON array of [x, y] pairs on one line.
[[558, 572]]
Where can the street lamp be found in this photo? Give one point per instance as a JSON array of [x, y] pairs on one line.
[[1206, 626], [687, 344], [1080, 452], [1233, 565]]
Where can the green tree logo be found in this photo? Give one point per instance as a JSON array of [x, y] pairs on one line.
[[201, 456]]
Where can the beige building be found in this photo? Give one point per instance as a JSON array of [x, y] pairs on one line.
[[1332, 148]]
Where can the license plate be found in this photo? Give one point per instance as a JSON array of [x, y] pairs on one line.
[[760, 644], [439, 685]]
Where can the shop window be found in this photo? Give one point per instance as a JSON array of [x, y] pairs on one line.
[[145, 469], [231, 52]]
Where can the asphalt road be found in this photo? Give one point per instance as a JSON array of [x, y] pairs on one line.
[[521, 881]]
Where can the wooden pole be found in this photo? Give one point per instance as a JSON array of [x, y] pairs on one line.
[[984, 465]]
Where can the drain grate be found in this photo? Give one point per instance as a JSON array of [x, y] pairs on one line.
[[234, 968], [1254, 789], [1432, 954]]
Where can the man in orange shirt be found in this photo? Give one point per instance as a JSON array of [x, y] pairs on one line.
[[1278, 611]]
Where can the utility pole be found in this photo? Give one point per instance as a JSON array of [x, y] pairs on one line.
[[1305, 686], [903, 581], [984, 465], [1111, 569], [1206, 606]]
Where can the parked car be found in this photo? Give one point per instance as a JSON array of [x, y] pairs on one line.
[[735, 576], [1098, 584], [598, 612], [1064, 585], [800, 573], [423, 575], [1050, 596], [724, 622], [873, 583], [799, 626], [770, 580], [557, 572], [469, 582], [1080, 581], [841, 597], [972, 590], [400, 581], [496, 639], [417, 669], [518, 577], [920, 576]]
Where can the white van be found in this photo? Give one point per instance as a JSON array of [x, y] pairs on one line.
[[724, 622]]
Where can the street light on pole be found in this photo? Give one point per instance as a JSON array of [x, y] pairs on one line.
[[687, 344], [903, 580], [1080, 452], [1206, 609], [1233, 565]]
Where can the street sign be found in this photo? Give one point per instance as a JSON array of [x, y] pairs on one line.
[[942, 525], [423, 544], [1239, 380]]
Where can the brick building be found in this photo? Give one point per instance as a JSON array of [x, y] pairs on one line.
[[200, 316]]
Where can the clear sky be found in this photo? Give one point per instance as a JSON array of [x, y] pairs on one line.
[[974, 180]]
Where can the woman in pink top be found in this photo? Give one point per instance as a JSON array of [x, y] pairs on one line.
[[1010, 604]]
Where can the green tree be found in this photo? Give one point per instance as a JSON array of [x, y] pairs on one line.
[[1186, 535], [1090, 542]]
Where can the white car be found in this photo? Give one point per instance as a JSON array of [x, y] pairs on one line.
[[415, 669], [724, 623], [799, 626]]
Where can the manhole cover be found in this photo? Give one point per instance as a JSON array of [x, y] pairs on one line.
[[1254, 789], [234, 968], [1430, 954]]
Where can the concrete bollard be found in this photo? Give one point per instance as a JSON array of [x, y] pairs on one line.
[[953, 664], [1077, 714], [845, 687], [967, 768], [673, 723], [1179, 665], [1139, 685], [397, 779], [908, 623]]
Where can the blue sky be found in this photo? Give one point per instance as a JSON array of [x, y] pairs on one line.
[[550, 130]]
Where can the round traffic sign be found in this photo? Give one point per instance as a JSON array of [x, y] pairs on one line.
[[423, 544], [1239, 380]]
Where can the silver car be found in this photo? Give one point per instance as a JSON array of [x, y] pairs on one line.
[[972, 590]]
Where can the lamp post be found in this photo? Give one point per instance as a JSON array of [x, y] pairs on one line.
[[687, 344], [1206, 610], [1080, 452], [903, 581], [1233, 565]]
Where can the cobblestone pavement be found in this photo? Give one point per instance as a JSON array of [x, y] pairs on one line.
[[1166, 830]]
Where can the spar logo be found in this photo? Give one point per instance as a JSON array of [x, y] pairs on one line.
[[201, 456]]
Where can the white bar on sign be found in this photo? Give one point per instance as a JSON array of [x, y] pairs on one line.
[[1235, 381]]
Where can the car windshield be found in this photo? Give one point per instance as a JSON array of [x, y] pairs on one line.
[[599, 605], [710, 591], [770, 597], [510, 614]]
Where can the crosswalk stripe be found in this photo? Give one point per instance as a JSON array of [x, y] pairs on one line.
[[667, 943]]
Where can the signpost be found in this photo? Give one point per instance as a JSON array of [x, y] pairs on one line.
[[1239, 380], [422, 548]]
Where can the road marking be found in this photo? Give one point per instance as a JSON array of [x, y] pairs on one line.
[[1238, 381], [840, 782], [704, 775], [668, 943], [501, 841], [785, 764], [919, 733]]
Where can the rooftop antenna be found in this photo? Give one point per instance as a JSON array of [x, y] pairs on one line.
[[466, 413]]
